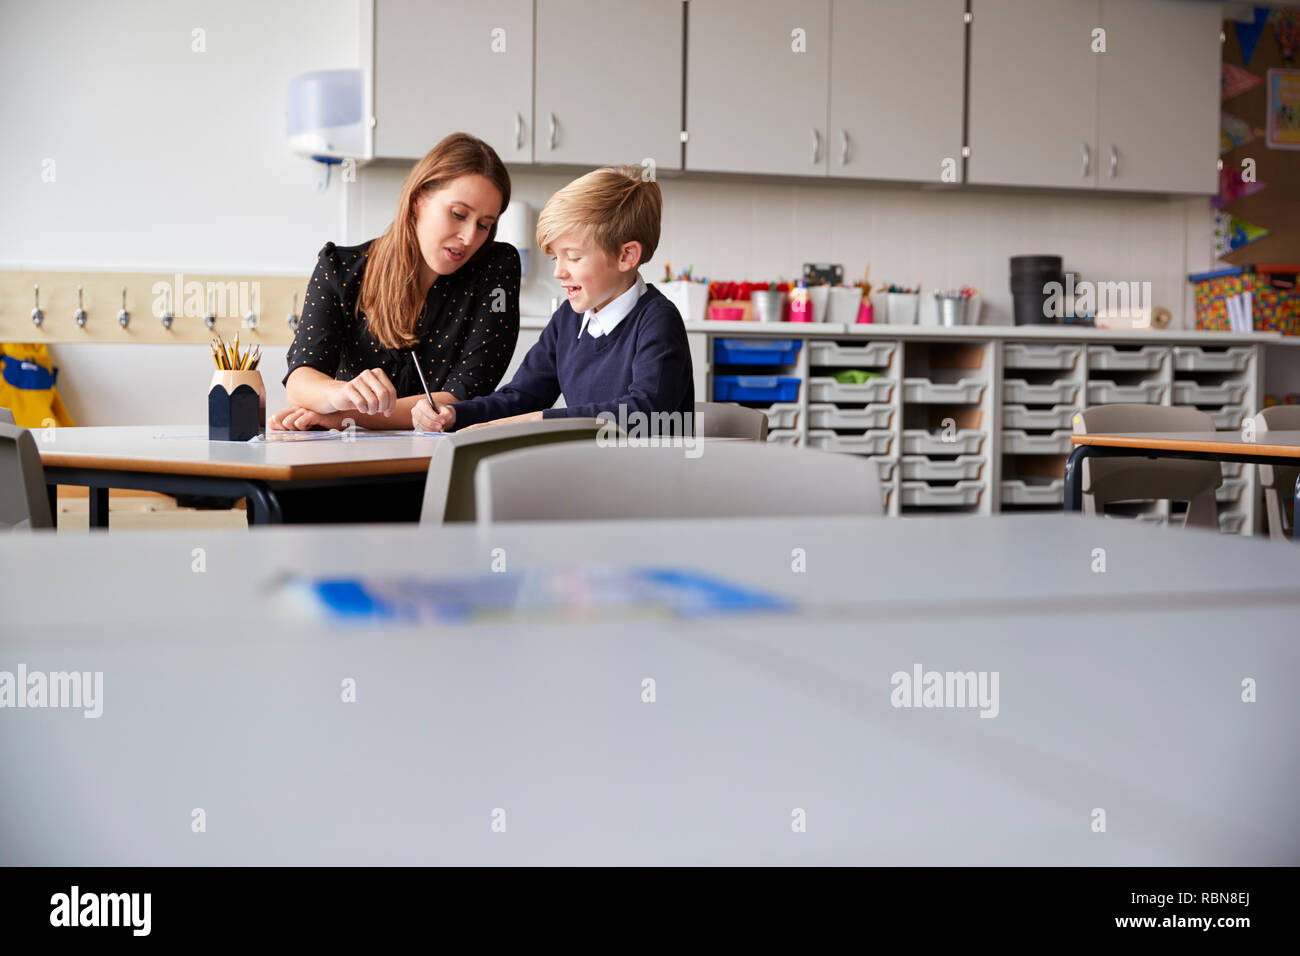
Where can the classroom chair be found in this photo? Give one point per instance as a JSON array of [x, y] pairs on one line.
[[24, 501], [728, 420], [449, 487], [1278, 482], [725, 480], [1135, 479]]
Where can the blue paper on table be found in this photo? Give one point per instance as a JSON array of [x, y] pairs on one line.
[[570, 593]]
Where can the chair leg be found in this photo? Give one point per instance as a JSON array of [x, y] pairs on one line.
[[1203, 511]]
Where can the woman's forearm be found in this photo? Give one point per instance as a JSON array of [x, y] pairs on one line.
[[399, 419], [310, 388]]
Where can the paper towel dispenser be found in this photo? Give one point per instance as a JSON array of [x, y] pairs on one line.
[[326, 116]]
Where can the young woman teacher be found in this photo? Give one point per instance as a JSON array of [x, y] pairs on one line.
[[436, 282]]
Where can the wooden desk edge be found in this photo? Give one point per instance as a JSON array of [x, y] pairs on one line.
[[1182, 444], [218, 469]]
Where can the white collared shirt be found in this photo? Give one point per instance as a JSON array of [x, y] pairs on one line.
[[607, 319]]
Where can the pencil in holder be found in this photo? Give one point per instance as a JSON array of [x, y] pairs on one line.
[[236, 406]]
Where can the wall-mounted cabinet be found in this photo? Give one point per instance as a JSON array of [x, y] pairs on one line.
[[1109, 94], [757, 75], [609, 82], [895, 88], [442, 66]]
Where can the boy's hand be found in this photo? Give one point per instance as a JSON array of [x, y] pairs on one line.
[[526, 417], [426, 419]]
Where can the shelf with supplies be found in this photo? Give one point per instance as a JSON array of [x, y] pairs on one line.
[[980, 422]]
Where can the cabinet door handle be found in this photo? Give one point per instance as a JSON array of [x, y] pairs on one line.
[[551, 129], [816, 144], [519, 131], [844, 147], [1087, 160], [1114, 162]]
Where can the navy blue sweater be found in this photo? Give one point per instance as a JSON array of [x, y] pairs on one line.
[[644, 364]]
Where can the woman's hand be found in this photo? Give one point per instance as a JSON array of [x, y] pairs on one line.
[[426, 419], [295, 418], [371, 392]]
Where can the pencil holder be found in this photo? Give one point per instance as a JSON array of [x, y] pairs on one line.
[[236, 406]]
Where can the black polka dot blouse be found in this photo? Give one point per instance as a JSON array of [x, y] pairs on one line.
[[464, 346]]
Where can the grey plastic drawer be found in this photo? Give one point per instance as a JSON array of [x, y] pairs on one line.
[[1232, 522], [965, 441], [1025, 355], [1110, 393], [887, 464], [832, 416], [1055, 393], [1059, 416], [1112, 359], [1019, 491], [1017, 441], [783, 436], [922, 468], [874, 442], [869, 355], [782, 415], [1195, 393], [826, 389], [964, 493], [1231, 469], [922, 391], [1230, 416], [1191, 358], [1230, 490]]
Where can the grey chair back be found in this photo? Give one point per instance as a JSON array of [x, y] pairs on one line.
[[727, 420], [724, 480], [24, 501]]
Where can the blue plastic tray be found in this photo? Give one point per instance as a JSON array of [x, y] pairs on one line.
[[755, 352], [755, 388]]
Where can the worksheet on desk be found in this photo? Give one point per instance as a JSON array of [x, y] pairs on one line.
[[335, 434]]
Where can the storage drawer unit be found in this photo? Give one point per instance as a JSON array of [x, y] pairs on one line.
[[1112, 393], [755, 388], [1055, 393], [1017, 441], [1021, 491], [923, 391], [965, 441], [921, 494], [1190, 358], [822, 389], [1022, 355], [869, 355], [1110, 358], [1059, 416], [1195, 393], [922, 468], [860, 419], [873, 442]]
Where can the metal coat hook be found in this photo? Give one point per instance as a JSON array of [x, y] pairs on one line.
[[167, 316], [210, 319], [250, 320], [124, 317], [292, 320], [80, 315], [37, 315]]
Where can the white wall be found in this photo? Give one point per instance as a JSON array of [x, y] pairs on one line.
[[174, 160], [164, 159]]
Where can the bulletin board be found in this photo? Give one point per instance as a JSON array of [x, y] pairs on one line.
[[1261, 122]]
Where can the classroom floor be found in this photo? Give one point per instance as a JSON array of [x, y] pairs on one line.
[[142, 509]]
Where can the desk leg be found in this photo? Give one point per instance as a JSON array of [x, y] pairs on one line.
[[263, 505], [52, 489], [1295, 511], [1074, 477], [98, 507]]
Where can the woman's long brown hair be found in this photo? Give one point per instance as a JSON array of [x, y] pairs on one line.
[[390, 295]]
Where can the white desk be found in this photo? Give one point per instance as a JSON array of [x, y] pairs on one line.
[[1118, 690], [179, 459]]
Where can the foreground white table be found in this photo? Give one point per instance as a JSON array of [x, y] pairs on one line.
[[1119, 691]]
